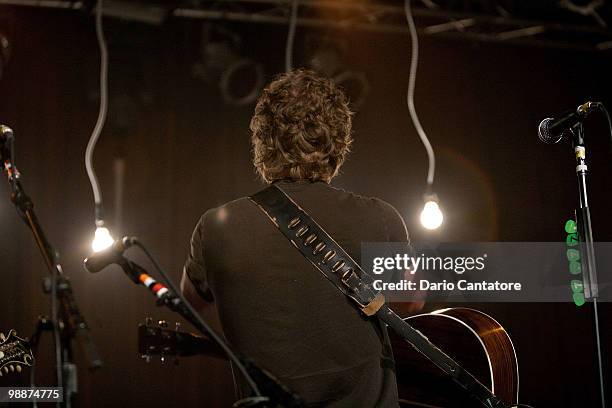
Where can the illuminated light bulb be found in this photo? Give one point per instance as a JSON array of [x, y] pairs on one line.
[[102, 239], [431, 216]]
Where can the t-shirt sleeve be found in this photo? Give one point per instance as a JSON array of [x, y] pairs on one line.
[[394, 223], [195, 267], [396, 232]]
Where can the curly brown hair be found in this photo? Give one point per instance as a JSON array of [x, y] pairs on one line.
[[301, 128]]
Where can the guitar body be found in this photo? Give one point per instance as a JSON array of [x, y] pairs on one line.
[[473, 339]]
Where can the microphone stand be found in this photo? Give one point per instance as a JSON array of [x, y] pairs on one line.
[[273, 394], [71, 324], [585, 232]]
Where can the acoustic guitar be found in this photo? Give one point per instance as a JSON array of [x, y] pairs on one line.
[[472, 338]]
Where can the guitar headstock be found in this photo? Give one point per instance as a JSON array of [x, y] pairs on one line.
[[159, 340], [15, 352]]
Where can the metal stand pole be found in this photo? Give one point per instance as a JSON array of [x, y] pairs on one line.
[[71, 324], [585, 231]]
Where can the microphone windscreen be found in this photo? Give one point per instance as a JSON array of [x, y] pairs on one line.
[[545, 134], [99, 260], [113, 254]]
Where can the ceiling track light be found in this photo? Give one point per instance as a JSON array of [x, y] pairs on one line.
[[238, 77]]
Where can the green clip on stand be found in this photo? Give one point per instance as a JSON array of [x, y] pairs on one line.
[[573, 257]]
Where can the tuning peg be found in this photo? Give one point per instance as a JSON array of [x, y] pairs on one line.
[[163, 323], [162, 359]]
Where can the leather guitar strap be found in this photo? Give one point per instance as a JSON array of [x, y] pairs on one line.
[[316, 245]]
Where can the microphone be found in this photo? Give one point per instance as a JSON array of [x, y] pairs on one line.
[[551, 130], [113, 254]]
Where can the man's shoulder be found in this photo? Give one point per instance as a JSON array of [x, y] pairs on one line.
[[381, 210], [345, 201], [225, 213], [370, 201]]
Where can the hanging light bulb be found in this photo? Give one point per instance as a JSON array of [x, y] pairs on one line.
[[431, 216], [102, 239]]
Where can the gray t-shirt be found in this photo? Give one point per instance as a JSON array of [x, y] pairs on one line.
[[278, 310]]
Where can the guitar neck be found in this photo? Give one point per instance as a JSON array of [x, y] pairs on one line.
[[159, 340]]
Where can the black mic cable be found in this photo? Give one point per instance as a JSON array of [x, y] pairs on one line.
[[607, 114], [207, 329], [6, 135], [114, 254]]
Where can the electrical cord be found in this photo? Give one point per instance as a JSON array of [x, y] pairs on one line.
[[605, 111], [13, 179], [209, 331], [95, 135], [56, 329], [12, 154], [33, 381], [291, 36], [599, 360], [595, 311], [414, 60]]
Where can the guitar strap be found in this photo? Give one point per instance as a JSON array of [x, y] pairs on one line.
[[316, 245], [328, 257]]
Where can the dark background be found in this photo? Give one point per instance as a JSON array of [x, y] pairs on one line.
[[186, 151]]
